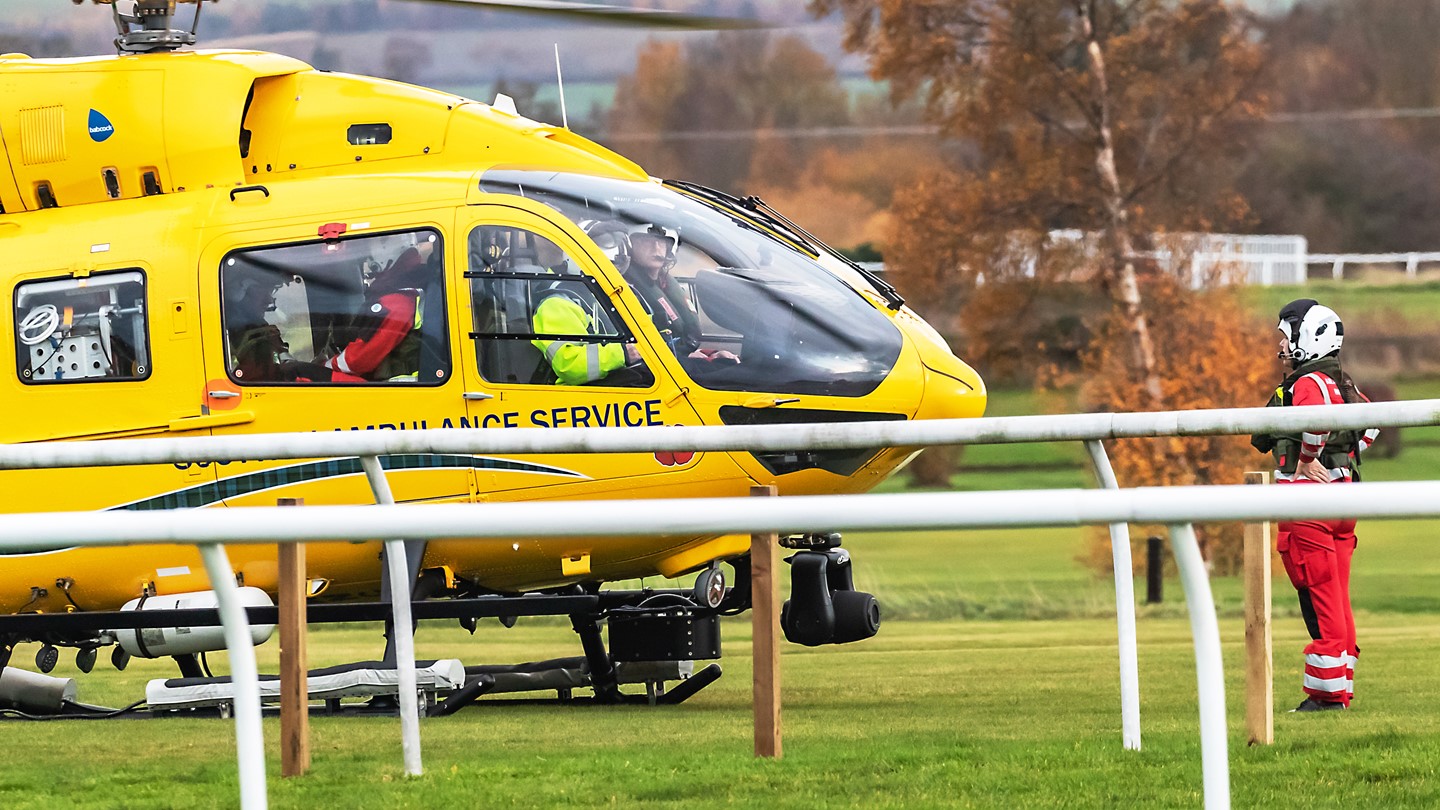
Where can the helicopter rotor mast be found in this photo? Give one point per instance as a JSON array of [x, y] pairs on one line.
[[148, 29]]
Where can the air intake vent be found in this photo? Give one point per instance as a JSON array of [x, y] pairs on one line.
[[368, 134], [42, 135]]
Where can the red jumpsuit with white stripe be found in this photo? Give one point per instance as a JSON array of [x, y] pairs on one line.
[[363, 355], [1317, 555], [394, 313]]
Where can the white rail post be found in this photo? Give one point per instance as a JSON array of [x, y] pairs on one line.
[[1412, 265], [1209, 671], [399, 573], [1337, 270], [244, 677], [1124, 607]]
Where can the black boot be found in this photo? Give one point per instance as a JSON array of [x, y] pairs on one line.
[[1310, 704]]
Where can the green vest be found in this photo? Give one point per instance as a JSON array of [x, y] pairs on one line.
[[1285, 447], [574, 362]]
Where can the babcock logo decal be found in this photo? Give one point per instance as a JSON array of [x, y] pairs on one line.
[[100, 126]]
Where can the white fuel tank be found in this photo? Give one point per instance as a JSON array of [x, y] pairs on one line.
[[159, 642]]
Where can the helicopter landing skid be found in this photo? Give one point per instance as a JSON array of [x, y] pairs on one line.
[[565, 675], [655, 638]]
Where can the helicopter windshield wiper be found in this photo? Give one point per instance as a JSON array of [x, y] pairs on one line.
[[881, 286], [753, 206], [735, 208]]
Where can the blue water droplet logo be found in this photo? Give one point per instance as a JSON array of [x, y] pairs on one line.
[[100, 126]]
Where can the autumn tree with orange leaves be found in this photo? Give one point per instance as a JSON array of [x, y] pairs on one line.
[[703, 111], [749, 112], [1116, 120]]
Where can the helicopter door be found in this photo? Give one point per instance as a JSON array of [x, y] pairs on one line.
[[338, 334], [113, 353], [550, 349]]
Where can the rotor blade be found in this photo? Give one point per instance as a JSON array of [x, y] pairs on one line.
[[617, 15]]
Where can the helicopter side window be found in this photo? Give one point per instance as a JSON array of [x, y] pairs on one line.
[[743, 306], [368, 309], [540, 321], [82, 329]]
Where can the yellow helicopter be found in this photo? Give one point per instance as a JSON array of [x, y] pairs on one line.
[[222, 243]]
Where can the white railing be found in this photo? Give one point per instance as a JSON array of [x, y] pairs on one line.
[[1258, 259], [1263, 259], [1179, 507], [1210, 258], [207, 529], [820, 436], [1337, 261]]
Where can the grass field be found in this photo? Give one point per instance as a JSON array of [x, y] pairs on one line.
[[939, 710], [993, 683], [1395, 305], [929, 714]]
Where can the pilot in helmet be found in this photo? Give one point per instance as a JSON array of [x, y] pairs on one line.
[[652, 252], [613, 239]]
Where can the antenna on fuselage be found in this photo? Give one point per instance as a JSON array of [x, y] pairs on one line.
[[560, 80]]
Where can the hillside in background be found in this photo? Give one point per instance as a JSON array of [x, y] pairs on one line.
[[427, 43], [1348, 163]]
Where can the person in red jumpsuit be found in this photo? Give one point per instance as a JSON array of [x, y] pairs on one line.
[[387, 345], [1317, 553]]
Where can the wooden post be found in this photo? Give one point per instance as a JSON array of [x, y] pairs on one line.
[[1154, 571], [765, 621], [294, 689], [1259, 667]]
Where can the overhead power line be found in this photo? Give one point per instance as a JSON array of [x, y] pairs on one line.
[[778, 132], [930, 130], [1325, 116]]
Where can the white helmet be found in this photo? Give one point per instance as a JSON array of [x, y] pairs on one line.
[[670, 236], [613, 239], [1311, 330]]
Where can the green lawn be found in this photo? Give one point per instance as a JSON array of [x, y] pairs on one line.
[[993, 683], [1399, 306], [935, 713], [939, 710]]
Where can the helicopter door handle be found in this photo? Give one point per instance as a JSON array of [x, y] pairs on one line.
[[477, 396], [247, 189], [769, 402], [212, 420], [223, 394]]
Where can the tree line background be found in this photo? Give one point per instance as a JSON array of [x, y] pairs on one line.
[[1124, 121], [1003, 121]]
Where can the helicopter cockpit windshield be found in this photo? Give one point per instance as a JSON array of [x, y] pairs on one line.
[[742, 310]]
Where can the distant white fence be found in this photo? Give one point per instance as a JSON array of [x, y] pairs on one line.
[[1214, 258], [1338, 261], [1256, 260], [1261, 260], [496, 522]]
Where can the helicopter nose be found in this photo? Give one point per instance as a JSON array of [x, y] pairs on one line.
[[952, 388]]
